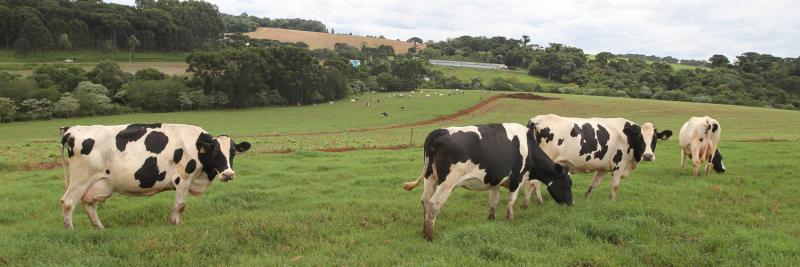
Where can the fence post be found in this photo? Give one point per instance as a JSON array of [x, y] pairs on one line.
[[411, 139]]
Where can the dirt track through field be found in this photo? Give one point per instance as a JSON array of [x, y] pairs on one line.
[[449, 117]]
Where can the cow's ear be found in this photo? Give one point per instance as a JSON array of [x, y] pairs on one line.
[[204, 147], [666, 134], [242, 147]]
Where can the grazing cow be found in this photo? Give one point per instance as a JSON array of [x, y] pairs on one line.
[[428, 96], [484, 157], [598, 145], [141, 160], [699, 138], [385, 114]]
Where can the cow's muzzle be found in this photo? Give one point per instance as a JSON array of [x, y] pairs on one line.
[[226, 176], [648, 157]]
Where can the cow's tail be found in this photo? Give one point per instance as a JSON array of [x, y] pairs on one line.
[[427, 168], [64, 160]]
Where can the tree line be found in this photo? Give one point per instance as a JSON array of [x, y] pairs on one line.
[[247, 23], [265, 73], [751, 79]]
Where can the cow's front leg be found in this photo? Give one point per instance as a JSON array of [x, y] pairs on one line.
[[598, 177], [181, 190], [494, 198], [530, 187]]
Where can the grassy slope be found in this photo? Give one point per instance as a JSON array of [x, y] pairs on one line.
[[8, 56], [466, 74], [314, 208]]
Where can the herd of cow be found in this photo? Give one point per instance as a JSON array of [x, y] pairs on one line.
[[145, 159]]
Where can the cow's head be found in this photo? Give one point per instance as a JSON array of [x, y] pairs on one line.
[[649, 137], [217, 156], [717, 162], [560, 188]]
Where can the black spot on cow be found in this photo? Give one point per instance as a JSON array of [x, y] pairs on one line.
[[65, 138], [132, 133], [156, 142], [108, 171], [86, 146], [190, 166], [575, 130], [636, 143], [546, 134], [714, 127], [617, 157], [588, 141], [177, 180], [588, 157], [560, 141], [701, 139], [71, 146], [209, 153], [602, 139], [176, 157], [148, 174]]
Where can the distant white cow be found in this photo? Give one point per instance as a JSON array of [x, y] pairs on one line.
[[699, 139]]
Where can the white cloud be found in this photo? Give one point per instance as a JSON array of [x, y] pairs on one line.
[[678, 28]]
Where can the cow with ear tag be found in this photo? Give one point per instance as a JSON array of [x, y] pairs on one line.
[[599, 145], [141, 160]]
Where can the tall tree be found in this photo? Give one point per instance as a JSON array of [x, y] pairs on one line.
[[133, 43], [719, 61]]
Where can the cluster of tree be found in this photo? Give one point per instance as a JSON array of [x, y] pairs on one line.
[[667, 59], [753, 79], [498, 49], [28, 25], [247, 23]]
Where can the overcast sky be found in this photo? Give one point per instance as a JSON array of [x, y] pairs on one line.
[[684, 29]]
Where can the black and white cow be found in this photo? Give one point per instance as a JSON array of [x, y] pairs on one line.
[[598, 145], [141, 160], [484, 157], [699, 138]]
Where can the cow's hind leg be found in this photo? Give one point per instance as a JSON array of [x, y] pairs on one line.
[[532, 186], [97, 193], [598, 177], [439, 197], [494, 198], [683, 160], [512, 198], [72, 196]]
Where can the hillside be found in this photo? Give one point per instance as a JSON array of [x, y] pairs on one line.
[[326, 40]]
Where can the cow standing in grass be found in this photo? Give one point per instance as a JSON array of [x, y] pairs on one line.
[[141, 160], [699, 138], [485, 157], [599, 145]]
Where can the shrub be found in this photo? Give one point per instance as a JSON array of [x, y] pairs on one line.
[[149, 74], [67, 106], [7, 109]]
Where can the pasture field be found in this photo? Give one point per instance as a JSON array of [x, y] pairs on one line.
[[308, 207], [316, 40], [467, 74]]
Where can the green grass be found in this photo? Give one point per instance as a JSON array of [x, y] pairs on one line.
[[316, 208], [675, 66], [90, 56], [467, 74]]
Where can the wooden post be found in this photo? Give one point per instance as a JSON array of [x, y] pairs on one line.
[[411, 139]]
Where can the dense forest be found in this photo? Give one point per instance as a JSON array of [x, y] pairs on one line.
[[752, 79]]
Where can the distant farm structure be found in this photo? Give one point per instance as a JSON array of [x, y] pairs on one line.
[[327, 40], [477, 65]]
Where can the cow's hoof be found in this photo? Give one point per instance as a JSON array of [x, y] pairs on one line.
[[526, 205], [491, 217]]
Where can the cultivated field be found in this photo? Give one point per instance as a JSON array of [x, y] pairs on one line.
[[171, 63], [308, 207], [316, 40]]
